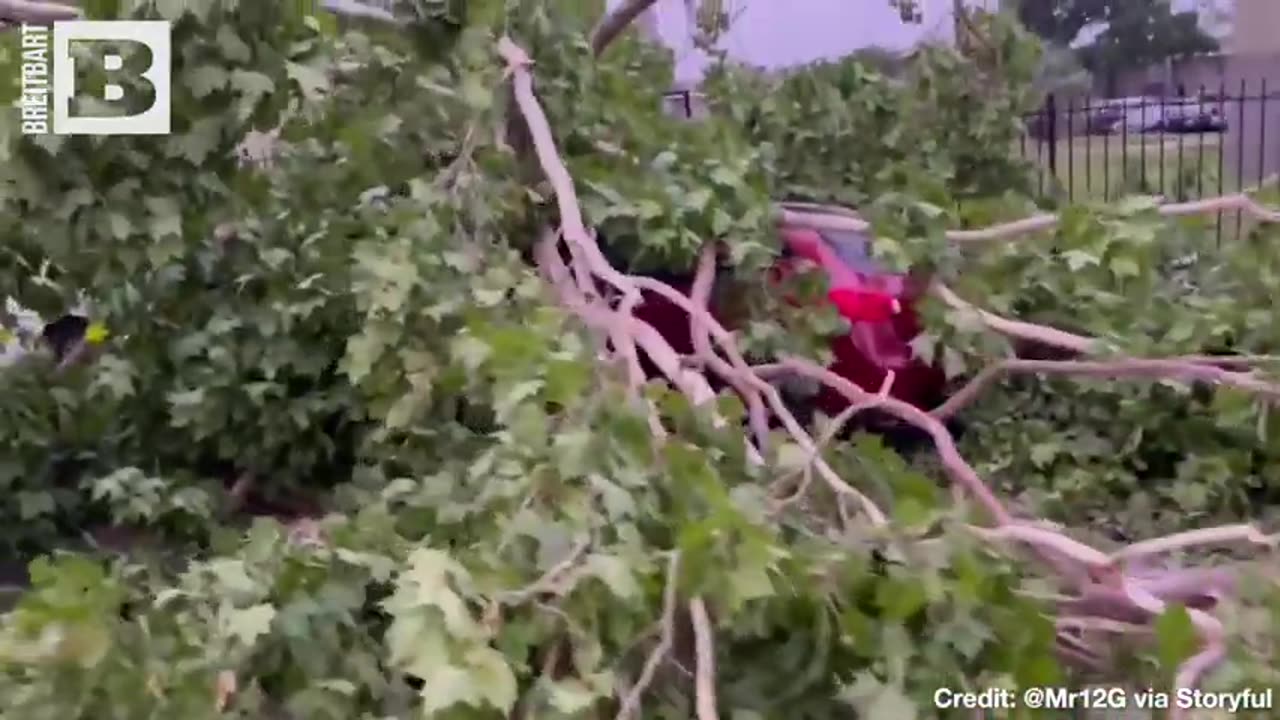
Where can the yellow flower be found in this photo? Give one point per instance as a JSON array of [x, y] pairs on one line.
[[96, 333]]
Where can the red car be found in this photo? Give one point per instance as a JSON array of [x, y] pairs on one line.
[[877, 304]]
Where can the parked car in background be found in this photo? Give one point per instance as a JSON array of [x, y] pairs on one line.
[[1142, 114], [1103, 121], [1131, 115], [1195, 116]]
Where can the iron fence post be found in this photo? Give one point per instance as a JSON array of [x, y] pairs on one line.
[[1051, 110]]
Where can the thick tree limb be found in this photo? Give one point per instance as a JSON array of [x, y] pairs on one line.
[[1179, 369], [353, 8], [613, 23], [14, 12], [583, 246], [700, 295], [1039, 334], [705, 650]]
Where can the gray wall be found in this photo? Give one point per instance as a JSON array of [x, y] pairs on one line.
[[1257, 28], [1256, 145]]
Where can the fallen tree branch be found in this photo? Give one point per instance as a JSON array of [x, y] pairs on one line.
[[704, 649], [1105, 591], [613, 23], [837, 424], [552, 580], [584, 247], [355, 9], [631, 703], [1180, 369], [700, 295], [1196, 538], [14, 12], [956, 466], [1032, 332]]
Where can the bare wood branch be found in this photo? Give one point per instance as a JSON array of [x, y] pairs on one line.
[[355, 9], [1179, 369], [1016, 328], [1196, 538], [551, 579], [700, 295], [613, 23], [704, 647], [34, 12], [631, 703]]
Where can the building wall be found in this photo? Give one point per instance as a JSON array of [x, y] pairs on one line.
[[1257, 27]]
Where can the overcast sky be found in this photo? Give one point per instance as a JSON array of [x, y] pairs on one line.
[[773, 33]]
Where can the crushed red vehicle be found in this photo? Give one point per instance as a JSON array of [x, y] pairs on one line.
[[877, 304]]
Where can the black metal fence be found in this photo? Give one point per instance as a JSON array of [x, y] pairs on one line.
[[1203, 144]]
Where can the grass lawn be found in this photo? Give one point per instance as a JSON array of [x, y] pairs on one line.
[[1107, 167], [1180, 167]]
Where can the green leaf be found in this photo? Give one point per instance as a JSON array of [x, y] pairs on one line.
[[1079, 259], [614, 572], [1176, 638], [750, 581], [172, 10], [876, 699], [901, 598], [571, 696], [120, 226], [32, 505], [233, 48], [493, 677], [427, 583], [890, 702], [477, 94], [234, 577], [249, 624], [312, 81], [471, 351], [251, 85], [198, 143], [1124, 267], [166, 217], [207, 79]]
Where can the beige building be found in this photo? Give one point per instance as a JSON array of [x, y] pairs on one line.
[[1257, 28], [1253, 57]]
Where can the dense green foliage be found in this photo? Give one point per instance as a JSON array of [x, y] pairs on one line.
[[353, 330]]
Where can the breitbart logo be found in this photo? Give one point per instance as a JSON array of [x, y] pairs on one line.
[[51, 78]]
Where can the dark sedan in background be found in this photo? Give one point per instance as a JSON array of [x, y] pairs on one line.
[[1155, 115]]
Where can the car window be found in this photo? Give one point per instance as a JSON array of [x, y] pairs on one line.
[[853, 250]]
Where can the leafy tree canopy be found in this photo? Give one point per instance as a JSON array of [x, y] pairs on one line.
[[1137, 33]]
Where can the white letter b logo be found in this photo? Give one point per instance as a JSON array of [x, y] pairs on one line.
[[153, 34]]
